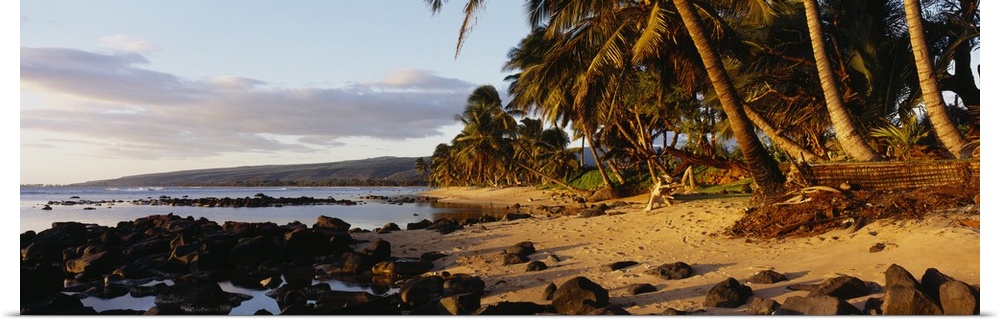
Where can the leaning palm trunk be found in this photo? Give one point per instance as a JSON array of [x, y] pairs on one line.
[[847, 133], [944, 127], [597, 158], [791, 147], [763, 169]]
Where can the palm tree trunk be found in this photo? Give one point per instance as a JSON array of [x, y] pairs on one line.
[[597, 158], [937, 112], [847, 133], [763, 169]]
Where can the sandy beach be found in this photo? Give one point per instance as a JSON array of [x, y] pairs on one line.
[[694, 232]]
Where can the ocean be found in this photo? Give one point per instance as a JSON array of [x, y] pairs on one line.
[[109, 206]]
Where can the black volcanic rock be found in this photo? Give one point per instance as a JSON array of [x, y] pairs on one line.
[[766, 277], [672, 271], [579, 295], [729, 293]]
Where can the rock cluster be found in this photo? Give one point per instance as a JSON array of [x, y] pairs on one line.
[[180, 262], [140, 257]]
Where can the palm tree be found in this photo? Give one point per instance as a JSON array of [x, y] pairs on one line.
[[486, 137], [937, 112], [548, 81], [421, 166], [763, 168], [443, 167], [847, 133]]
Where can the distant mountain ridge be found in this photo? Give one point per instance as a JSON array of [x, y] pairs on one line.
[[380, 171]]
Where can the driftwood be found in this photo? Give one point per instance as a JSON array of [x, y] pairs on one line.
[[662, 192]]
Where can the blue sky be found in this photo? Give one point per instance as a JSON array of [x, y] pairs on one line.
[[117, 88]]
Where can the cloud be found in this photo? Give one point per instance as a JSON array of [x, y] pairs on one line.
[[128, 44], [420, 80], [110, 101]]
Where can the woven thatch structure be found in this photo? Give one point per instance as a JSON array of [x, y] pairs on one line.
[[891, 175]]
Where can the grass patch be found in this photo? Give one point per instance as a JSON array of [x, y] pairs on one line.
[[589, 180], [735, 186]]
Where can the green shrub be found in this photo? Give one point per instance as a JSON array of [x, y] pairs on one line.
[[588, 180]]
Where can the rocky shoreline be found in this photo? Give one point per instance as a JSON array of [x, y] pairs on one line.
[[292, 261]]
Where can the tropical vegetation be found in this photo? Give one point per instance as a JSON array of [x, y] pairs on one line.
[[657, 86]]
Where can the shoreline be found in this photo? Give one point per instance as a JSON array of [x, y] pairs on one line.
[[692, 231], [616, 244]]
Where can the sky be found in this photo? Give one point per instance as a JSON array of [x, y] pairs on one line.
[[117, 88], [113, 88]]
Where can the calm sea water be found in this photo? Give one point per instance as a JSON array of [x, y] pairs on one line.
[[115, 207], [368, 214]]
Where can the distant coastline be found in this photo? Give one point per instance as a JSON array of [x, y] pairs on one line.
[[373, 172]]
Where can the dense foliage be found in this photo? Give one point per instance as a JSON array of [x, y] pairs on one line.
[[658, 86]]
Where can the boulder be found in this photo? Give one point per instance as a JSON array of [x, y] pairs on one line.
[[896, 275], [579, 295], [421, 290], [617, 266], [402, 267], [511, 259], [549, 292], [931, 283], [672, 271], [330, 223], [729, 293], [635, 289], [958, 298], [347, 263], [524, 248], [200, 299], [816, 305], [387, 228], [379, 251], [418, 225], [303, 240], [41, 252], [298, 276], [445, 226], [535, 266], [251, 252], [766, 277], [873, 306], [94, 265], [902, 300], [460, 304], [461, 284], [762, 306], [845, 287]]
